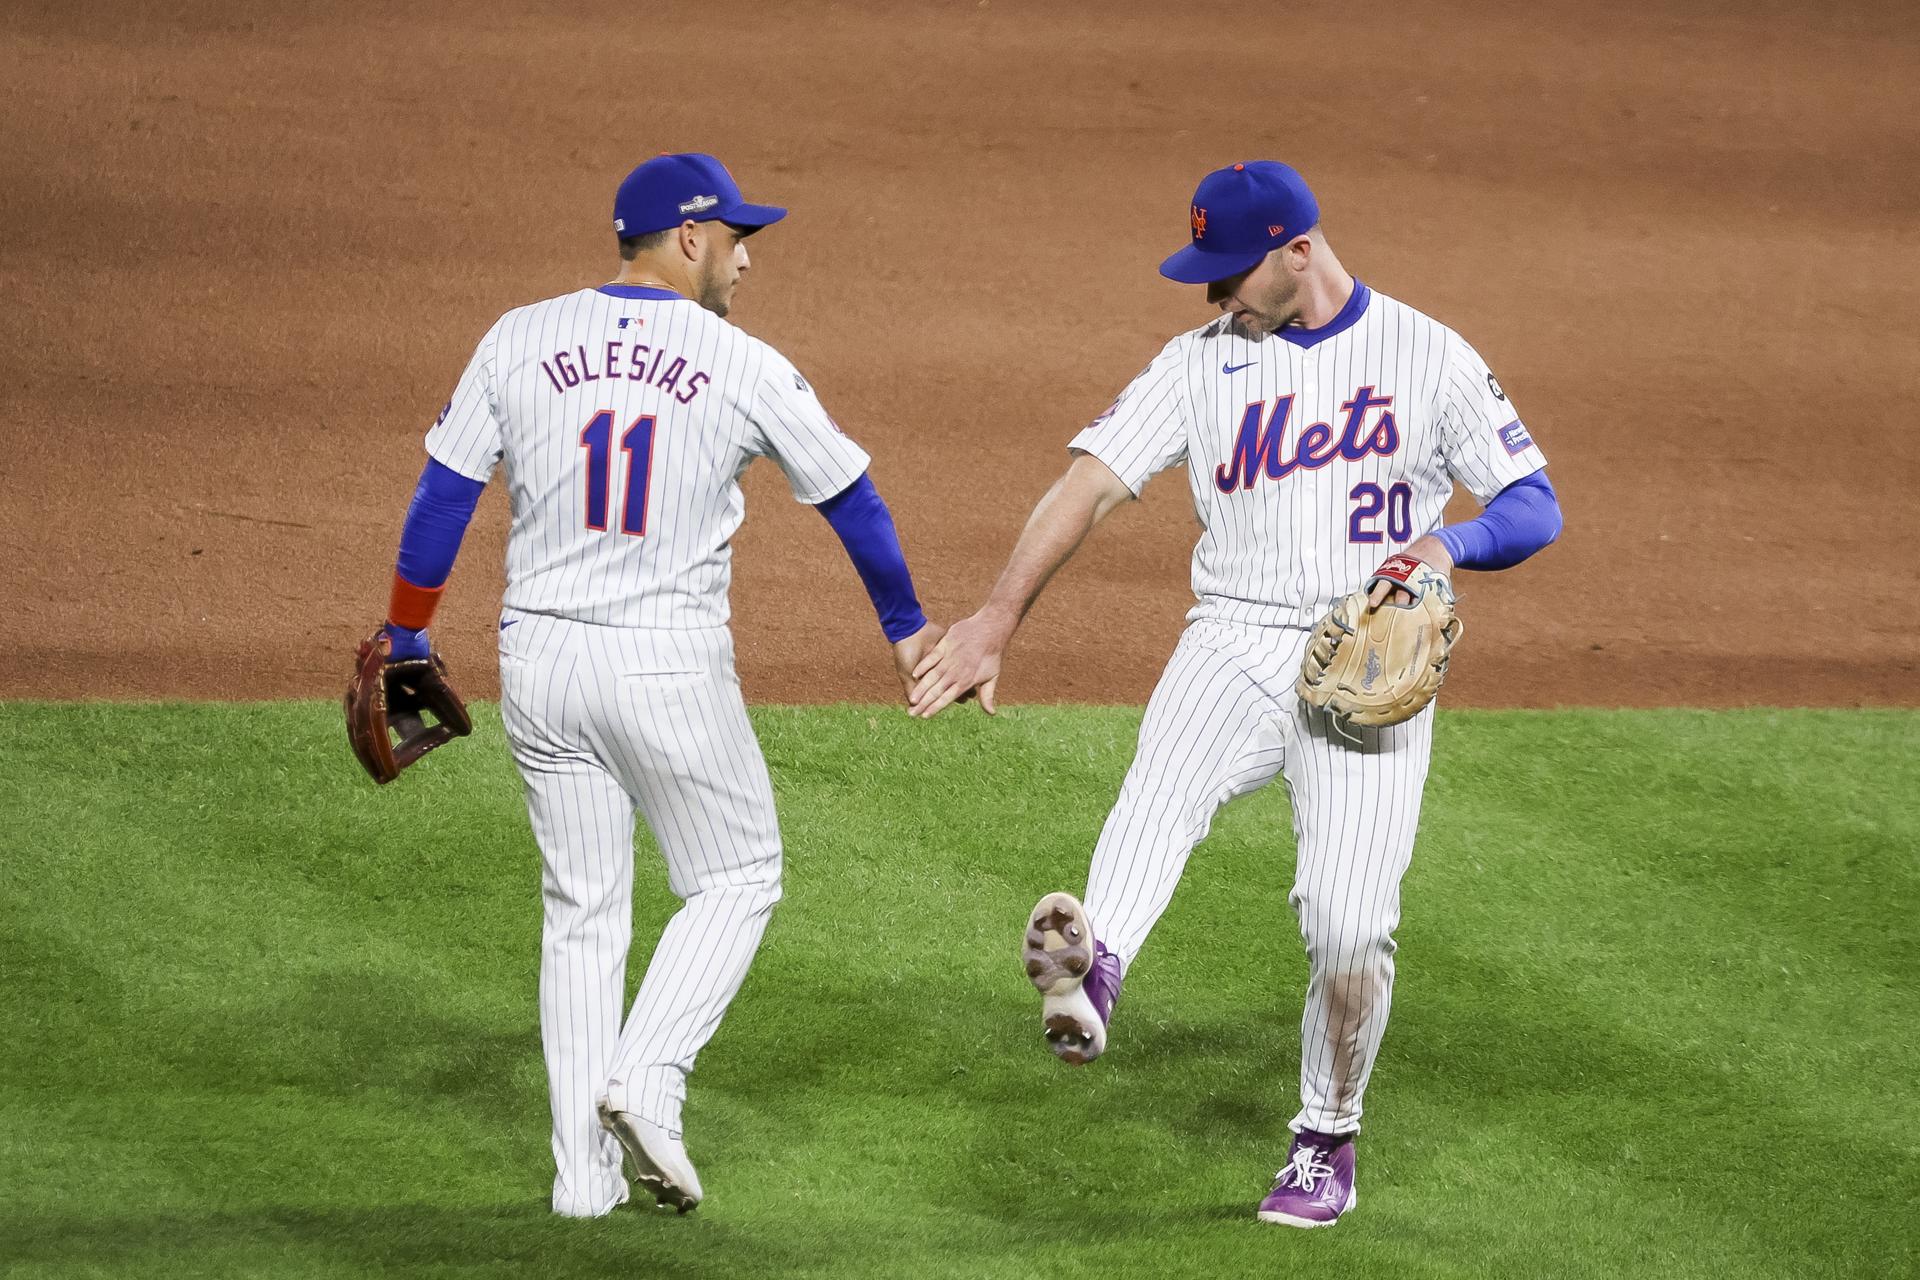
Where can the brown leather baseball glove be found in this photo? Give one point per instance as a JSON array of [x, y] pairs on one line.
[[1377, 667], [386, 706]]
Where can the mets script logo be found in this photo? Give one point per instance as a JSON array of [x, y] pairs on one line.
[[1260, 448], [1199, 219]]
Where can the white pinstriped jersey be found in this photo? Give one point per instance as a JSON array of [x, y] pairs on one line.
[[626, 416], [1313, 455]]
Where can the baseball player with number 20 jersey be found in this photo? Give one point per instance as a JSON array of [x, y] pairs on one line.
[[625, 415], [1321, 427]]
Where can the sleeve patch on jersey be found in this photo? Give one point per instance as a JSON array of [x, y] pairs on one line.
[[799, 383], [1514, 436]]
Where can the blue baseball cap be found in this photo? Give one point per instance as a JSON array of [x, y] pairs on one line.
[[1240, 215], [671, 189]]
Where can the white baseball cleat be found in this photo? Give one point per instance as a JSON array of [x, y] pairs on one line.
[[658, 1158], [1076, 976]]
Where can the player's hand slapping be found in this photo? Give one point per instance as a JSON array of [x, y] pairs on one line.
[[966, 660], [908, 653]]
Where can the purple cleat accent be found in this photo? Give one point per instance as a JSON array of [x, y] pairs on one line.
[[1103, 984], [1075, 973], [1317, 1184]]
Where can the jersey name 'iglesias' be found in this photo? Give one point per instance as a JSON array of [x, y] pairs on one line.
[[625, 416], [1313, 454]]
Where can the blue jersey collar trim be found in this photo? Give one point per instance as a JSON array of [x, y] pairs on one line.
[[1348, 317], [638, 291]]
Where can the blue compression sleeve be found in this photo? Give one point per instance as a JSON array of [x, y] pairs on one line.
[[865, 526], [443, 503], [1521, 519]]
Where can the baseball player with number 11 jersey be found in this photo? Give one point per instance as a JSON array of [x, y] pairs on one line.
[[1321, 427], [625, 415]]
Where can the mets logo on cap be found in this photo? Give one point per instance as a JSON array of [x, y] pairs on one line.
[[1238, 215]]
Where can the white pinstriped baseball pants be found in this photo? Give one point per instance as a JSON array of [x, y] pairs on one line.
[[1223, 721], [604, 720]]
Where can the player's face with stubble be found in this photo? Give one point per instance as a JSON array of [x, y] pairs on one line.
[[720, 267], [1260, 300]]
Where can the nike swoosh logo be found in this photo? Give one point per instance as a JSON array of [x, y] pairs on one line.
[[1235, 368], [511, 622]]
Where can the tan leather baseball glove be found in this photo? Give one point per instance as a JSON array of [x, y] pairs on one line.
[[1376, 667], [387, 704]]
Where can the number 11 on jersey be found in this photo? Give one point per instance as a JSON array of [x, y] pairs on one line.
[[637, 443]]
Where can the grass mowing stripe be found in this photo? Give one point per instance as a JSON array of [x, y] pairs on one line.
[[1656, 1010]]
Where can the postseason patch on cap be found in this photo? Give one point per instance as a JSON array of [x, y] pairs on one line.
[[1514, 436], [699, 204]]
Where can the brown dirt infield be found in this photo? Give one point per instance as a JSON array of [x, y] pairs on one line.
[[245, 256]]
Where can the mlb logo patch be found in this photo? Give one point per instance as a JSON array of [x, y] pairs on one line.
[[1514, 436]]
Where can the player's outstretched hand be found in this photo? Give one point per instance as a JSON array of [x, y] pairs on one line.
[[908, 653], [966, 659]]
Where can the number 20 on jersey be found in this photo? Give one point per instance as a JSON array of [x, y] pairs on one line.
[[636, 442]]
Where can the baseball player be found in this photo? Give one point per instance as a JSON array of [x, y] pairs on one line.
[[1322, 427], [625, 415]]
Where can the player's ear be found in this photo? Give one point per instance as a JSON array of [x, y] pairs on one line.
[[690, 241]]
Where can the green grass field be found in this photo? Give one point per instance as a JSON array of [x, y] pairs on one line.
[[1658, 1011]]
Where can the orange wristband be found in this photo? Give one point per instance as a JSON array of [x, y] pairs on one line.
[[412, 607]]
